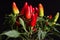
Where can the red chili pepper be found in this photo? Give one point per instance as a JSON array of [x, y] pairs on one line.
[[33, 20], [36, 14], [36, 10], [28, 14], [50, 17], [24, 8], [31, 9]]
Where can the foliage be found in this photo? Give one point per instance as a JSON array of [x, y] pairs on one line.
[[30, 23]]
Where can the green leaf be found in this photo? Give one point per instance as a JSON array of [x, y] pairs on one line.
[[55, 29], [13, 18], [22, 23], [9, 20], [41, 34], [12, 33], [57, 24], [54, 33], [47, 28], [40, 19]]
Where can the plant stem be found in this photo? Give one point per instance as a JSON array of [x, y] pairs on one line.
[[42, 25], [17, 28]]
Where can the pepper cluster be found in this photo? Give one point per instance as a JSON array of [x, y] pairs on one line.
[[31, 21], [31, 14]]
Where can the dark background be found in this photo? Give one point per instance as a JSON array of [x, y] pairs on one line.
[[50, 7]]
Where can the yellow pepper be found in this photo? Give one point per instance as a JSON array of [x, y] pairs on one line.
[[15, 9], [56, 17], [41, 10]]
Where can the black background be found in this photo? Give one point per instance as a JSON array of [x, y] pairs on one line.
[[50, 7]]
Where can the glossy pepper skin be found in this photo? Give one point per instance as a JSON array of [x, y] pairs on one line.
[[56, 17], [15, 8], [33, 20], [36, 10], [24, 8], [41, 10], [28, 13], [31, 9]]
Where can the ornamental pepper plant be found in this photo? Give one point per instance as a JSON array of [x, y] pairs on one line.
[[30, 23]]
